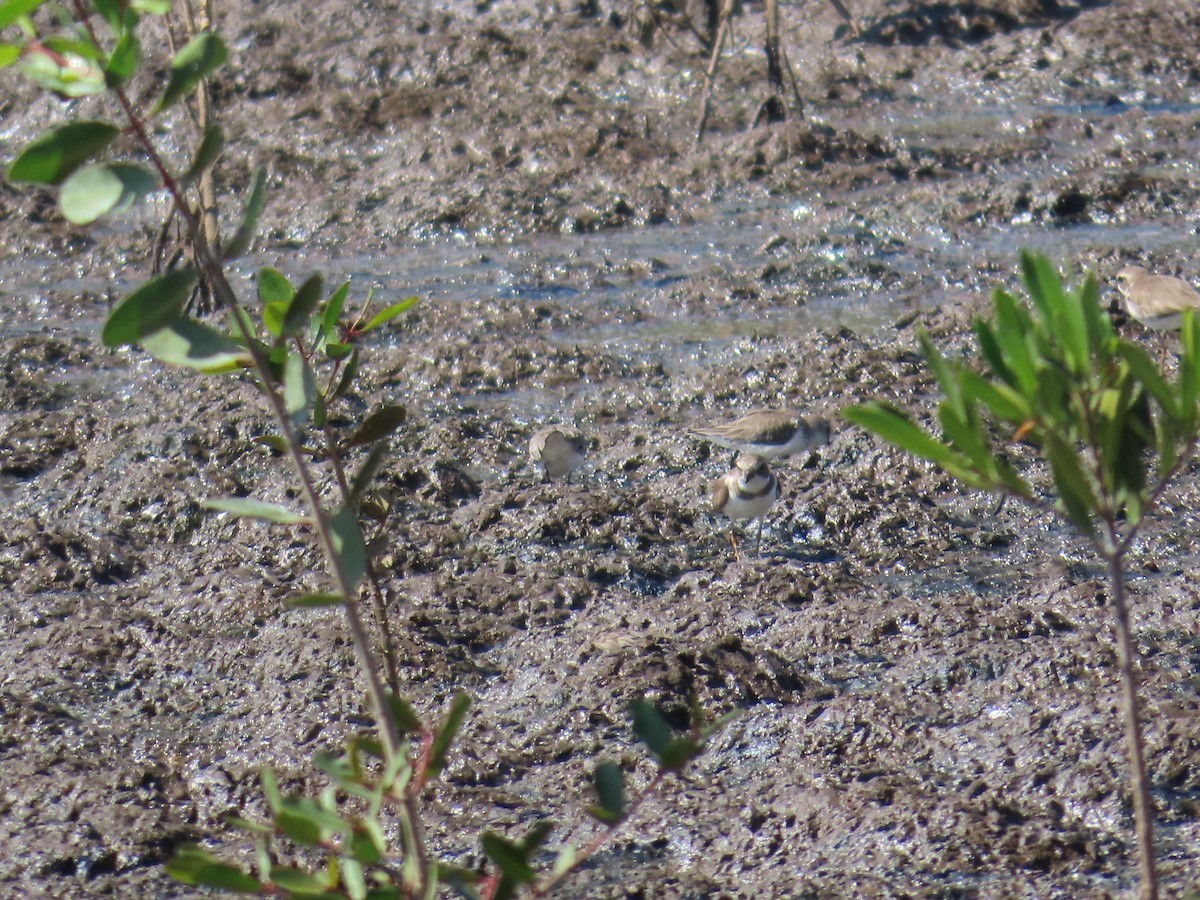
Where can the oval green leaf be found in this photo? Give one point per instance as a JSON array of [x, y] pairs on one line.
[[123, 60], [57, 153], [207, 153], [152, 306], [609, 782], [186, 342], [348, 546], [201, 55], [378, 425], [102, 188], [302, 306]]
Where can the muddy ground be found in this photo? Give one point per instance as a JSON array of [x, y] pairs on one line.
[[927, 695]]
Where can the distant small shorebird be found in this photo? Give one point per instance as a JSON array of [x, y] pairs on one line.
[[746, 491], [769, 433], [559, 449], [1157, 301]]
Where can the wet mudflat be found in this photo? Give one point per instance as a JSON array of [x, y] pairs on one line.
[[927, 687]]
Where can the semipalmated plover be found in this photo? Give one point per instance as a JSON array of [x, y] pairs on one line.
[[769, 433], [559, 449], [745, 492], [1157, 301]]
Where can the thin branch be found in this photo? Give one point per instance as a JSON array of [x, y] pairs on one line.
[[652, 789], [207, 261]]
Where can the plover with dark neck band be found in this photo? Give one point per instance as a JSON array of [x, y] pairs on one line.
[[747, 491]]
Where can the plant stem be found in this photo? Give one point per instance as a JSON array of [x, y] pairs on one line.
[[207, 261], [602, 838], [1143, 812]]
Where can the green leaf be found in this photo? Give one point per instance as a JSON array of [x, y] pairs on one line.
[[566, 858], [56, 153], [1062, 314], [1013, 326], [403, 714], [66, 74], [989, 349], [364, 847], [301, 307], [152, 306], [378, 425], [14, 9], [123, 60], [79, 45], [1075, 494], [1189, 374], [314, 601], [1001, 400], [9, 54], [1146, 372], [650, 726], [298, 882], [324, 820], [348, 375], [896, 428], [442, 741], [196, 866], [247, 825], [509, 858], [200, 56], [186, 342], [301, 829], [386, 315], [246, 508], [275, 292], [152, 7], [113, 12], [271, 790], [1101, 336], [678, 753], [101, 188], [207, 153], [348, 546], [965, 435], [333, 308], [952, 393], [299, 386], [609, 781], [244, 236], [366, 473], [353, 878]]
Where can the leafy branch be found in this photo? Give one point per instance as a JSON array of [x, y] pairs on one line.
[[1109, 426]]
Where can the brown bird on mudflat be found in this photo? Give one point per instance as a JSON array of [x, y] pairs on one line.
[[559, 449], [747, 491], [769, 433], [1157, 301]]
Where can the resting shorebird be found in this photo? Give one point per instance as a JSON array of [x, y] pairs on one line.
[[769, 433], [559, 449], [745, 492], [1157, 301]]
